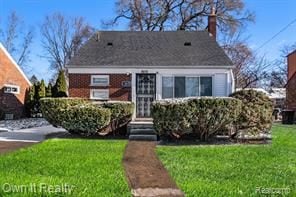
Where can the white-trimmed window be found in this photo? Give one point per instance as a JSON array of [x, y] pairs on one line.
[[11, 89], [186, 86], [99, 94], [99, 80]]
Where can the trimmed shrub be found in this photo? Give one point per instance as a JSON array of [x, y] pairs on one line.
[[121, 114], [212, 115], [120, 110], [85, 118], [256, 116], [81, 116], [52, 108], [204, 116], [171, 117]]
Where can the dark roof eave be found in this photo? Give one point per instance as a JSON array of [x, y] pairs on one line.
[[291, 53]]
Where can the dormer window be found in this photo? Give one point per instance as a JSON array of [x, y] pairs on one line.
[[11, 89], [187, 43]]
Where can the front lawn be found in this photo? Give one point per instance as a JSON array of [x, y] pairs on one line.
[[93, 167], [235, 170]]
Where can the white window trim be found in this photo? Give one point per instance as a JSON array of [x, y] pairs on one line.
[[11, 86], [180, 75], [102, 90], [99, 76]]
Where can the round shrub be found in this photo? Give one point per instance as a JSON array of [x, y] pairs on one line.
[[256, 115], [211, 115], [171, 117], [85, 118], [52, 108], [204, 116], [121, 115], [120, 109]]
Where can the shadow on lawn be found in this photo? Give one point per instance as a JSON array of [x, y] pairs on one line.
[[194, 140], [63, 135]]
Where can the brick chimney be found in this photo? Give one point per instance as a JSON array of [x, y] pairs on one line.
[[212, 23]]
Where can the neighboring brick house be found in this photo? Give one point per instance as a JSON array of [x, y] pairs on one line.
[[291, 84], [13, 86], [145, 66]]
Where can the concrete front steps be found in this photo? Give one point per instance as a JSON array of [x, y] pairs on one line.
[[141, 130]]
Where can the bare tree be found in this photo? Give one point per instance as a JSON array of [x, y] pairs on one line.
[[251, 70], [277, 79], [283, 65], [255, 73], [232, 17], [279, 74], [17, 39], [62, 37], [160, 15], [241, 55]]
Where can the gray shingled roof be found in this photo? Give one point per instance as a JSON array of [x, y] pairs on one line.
[[151, 49]]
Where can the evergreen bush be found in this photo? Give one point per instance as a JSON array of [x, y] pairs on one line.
[[52, 108], [85, 118], [256, 116], [204, 116], [60, 88]]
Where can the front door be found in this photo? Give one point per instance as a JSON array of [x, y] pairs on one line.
[[145, 94]]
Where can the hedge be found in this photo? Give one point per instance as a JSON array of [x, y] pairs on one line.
[[52, 108], [212, 115], [85, 118], [120, 109], [171, 117], [256, 116], [204, 116], [81, 116]]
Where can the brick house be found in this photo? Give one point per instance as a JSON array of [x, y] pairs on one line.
[[291, 84], [13, 86], [145, 66]]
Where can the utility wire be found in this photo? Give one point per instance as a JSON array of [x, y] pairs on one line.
[[275, 35]]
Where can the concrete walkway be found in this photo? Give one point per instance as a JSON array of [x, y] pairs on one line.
[[36, 134]]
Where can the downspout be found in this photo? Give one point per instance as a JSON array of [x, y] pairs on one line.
[[232, 85]]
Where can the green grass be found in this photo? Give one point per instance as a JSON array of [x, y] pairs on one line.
[[93, 167], [235, 170]]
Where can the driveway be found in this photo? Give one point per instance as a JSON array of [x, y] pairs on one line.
[[36, 134]]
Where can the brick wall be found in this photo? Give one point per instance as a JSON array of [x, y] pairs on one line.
[[291, 93], [79, 86], [291, 85], [9, 74]]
